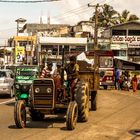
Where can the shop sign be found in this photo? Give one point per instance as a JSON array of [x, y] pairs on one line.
[[118, 46], [125, 39]]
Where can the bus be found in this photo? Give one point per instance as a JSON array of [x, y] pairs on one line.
[[106, 66]]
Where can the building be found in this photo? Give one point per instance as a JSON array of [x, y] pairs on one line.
[[46, 29], [25, 46], [125, 39]]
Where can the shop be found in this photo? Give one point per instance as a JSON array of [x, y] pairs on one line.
[[126, 33]]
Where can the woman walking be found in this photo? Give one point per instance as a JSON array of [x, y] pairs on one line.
[[134, 83]]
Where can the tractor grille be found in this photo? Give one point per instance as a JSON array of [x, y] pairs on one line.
[[43, 99]]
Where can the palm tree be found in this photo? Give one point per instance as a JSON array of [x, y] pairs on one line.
[[107, 17], [133, 17], [125, 16]]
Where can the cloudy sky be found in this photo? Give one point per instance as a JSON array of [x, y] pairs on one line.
[[63, 12]]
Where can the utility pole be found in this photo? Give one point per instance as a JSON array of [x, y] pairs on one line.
[[96, 59]]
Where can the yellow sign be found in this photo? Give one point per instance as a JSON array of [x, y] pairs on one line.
[[20, 53]]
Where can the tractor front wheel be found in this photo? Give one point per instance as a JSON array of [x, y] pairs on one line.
[[71, 116], [20, 114]]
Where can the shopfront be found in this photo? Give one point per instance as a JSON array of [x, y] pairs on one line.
[[52, 47]]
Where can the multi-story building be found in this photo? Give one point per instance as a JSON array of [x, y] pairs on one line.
[[25, 47], [125, 40]]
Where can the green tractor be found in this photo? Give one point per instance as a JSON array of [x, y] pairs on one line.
[[24, 75], [46, 99]]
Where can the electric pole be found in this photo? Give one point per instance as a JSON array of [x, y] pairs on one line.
[[96, 59]]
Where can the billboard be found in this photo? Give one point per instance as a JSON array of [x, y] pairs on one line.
[[20, 54]]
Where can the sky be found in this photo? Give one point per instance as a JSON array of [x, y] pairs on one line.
[[60, 12]]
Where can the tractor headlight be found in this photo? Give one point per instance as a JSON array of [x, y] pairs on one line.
[[48, 90], [37, 90], [17, 86]]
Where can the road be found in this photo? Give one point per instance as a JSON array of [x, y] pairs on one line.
[[117, 117]]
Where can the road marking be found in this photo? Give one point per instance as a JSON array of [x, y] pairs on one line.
[[11, 100]]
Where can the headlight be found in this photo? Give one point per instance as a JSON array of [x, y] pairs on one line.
[[37, 90], [17, 86], [48, 90]]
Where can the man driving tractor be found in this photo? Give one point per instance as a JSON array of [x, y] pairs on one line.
[[72, 70]]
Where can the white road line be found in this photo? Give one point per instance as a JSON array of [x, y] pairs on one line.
[[11, 100]]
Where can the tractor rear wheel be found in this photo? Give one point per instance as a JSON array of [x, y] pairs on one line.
[[71, 116], [20, 114], [82, 99]]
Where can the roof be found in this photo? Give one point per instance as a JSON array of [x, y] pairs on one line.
[[36, 26], [126, 23]]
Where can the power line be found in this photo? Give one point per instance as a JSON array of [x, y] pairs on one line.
[[31, 1], [81, 9]]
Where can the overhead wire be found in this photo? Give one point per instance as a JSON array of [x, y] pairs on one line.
[[69, 13], [81, 9], [24, 1], [78, 10]]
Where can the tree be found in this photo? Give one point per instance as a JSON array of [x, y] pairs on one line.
[[125, 16], [107, 17]]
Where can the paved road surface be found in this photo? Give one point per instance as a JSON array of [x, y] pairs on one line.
[[117, 117]]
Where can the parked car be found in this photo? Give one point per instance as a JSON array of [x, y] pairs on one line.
[[7, 82]]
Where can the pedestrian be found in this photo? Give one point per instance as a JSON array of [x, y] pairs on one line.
[[117, 79], [129, 81], [134, 83]]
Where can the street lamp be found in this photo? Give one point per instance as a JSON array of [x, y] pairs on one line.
[[20, 22]]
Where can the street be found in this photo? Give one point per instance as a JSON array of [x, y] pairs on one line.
[[117, 117]]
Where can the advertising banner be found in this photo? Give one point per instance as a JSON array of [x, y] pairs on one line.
[[20, 54]]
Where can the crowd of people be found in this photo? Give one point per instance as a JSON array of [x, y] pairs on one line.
[[123, 81]]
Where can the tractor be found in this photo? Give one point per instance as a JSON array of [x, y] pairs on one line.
[[46, 99], [24, 76]]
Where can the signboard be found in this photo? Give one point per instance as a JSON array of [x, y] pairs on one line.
[[63, 40], [20, 53], [118, 47], [132, 41]]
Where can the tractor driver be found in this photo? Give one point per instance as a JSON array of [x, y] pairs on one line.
[[46, 72], [72, 70]]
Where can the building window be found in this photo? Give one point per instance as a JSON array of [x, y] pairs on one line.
[[134, 52], [119, 52], [119, 32], [133, 32]]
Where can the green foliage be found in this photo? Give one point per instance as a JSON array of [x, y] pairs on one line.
[[107, 16]]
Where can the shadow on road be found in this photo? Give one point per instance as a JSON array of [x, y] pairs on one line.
[[10, 104], [48, 122], [4, 96]]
